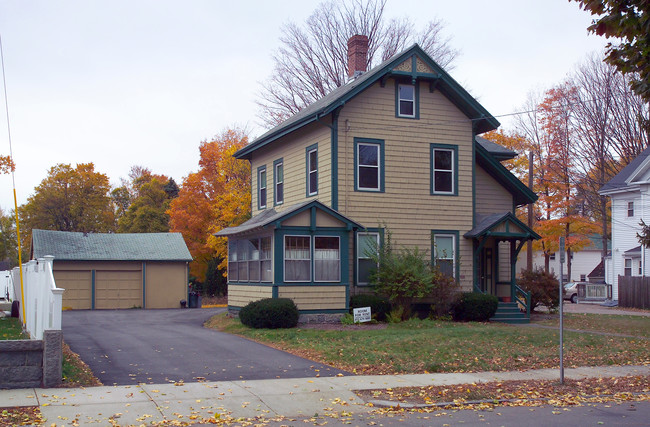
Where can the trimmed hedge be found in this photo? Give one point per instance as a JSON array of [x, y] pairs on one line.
[[474, 307], [270, 313], [379, 306]]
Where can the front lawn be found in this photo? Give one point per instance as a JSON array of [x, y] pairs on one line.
[[611, 323], [435, 346], [11, 329]]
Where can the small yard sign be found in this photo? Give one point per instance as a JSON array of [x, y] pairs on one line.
[[362, 314]]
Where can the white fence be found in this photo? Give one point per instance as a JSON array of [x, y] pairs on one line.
[[43, 300]]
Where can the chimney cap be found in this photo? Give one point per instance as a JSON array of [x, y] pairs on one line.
[[357, 55]]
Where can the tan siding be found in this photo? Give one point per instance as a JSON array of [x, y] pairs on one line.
[[300, 220], [315, 297], [504, 262], [166, 284], [491, 197], [97, 265], [239, 295], [292, 150], [407, 206]]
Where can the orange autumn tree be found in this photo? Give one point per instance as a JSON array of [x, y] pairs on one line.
[[218, 195], [6, 165], [560, 213]]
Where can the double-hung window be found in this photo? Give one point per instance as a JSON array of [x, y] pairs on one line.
[[444, 250], [628, 267], [297, 258], [369, 165], [312, 170], [406, 103], [261, 187], [444, 169], [327, 259], [367, 245], [630, 209], [278, 178]]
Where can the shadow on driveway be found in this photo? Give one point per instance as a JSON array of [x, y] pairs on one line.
[[156, 346]]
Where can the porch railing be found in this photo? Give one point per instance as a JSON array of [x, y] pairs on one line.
[[525, 302], [43, 300]]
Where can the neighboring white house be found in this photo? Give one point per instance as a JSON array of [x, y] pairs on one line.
[[630, 194], [583, 262]]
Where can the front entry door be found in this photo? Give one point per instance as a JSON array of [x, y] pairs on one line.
[[487, 273]]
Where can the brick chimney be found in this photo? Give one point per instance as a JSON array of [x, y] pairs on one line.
[[357, 55]]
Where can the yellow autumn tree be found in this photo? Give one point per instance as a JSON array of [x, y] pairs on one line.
[[218, 195]]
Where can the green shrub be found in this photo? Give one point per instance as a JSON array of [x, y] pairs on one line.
[[270, 313], [474, 307], [379, 305], [543, 287]]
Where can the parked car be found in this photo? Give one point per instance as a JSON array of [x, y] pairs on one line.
[[571, 292]]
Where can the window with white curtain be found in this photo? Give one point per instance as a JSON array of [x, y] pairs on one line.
[[327, 259], [297, 258]]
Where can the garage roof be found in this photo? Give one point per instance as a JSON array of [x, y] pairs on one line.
[[73, 246]]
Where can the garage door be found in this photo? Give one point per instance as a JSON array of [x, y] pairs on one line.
[[78, 288], [118, 289]]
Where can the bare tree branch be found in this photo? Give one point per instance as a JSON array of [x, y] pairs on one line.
[[312, 59]]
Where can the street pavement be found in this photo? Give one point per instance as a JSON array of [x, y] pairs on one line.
[[294, 398], [125, 347]]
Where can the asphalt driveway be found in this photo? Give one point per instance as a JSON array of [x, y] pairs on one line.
[[158, 346]]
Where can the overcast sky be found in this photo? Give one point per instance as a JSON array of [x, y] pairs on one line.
[[122, 83]]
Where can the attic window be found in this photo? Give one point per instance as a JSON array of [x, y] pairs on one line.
[[405, 100]]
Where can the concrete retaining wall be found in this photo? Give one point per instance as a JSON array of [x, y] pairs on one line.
[[32, 363]]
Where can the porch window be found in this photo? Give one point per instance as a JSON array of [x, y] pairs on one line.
[[405, 100], [327, 259], [367, 243], [444, 165], [445, 253], [249, 260], [297, 258], [261, 187], [628, 267], [233, 275]]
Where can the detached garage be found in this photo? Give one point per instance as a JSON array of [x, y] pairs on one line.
[[113, 271]]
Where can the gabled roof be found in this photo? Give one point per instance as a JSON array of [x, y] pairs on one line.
[[499, 152], [74, 246], [620, 181], [269, 217], [513, 227], [633, 253], [521, 194], [598, 272], [484, 121]]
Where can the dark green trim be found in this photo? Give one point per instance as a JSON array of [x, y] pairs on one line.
[[382, 165], [278, 256], [335, 159], [144, 285], [275, 182], [307, 150], [275, 292], [454, 149], [355, 266], [337, 98], [416, 100], [262, 284], [266, 186], [92, 287], [456, 235], [349, 224], [508, 218], [473, 182], [521, 194]]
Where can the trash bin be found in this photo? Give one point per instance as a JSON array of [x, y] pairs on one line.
[[194, 300], [183, 303]]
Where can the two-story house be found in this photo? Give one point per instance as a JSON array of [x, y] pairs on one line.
[[397, 148], [630, 194]]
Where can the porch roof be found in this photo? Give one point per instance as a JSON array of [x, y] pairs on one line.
[[272, 217], [513, 228], [633, 253]]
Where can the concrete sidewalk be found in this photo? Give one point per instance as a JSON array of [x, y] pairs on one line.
[[298, 397]]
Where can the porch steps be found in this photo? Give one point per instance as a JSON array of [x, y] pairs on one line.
[[508, 312]]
